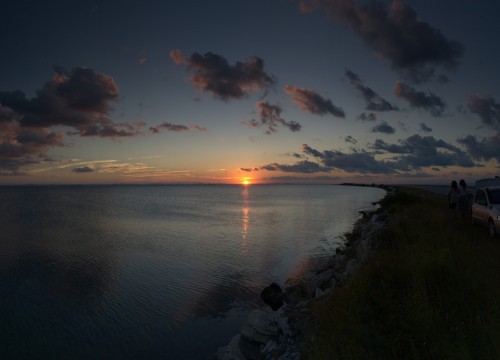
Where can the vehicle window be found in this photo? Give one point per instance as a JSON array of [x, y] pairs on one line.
[[480, 197], [495, 196]]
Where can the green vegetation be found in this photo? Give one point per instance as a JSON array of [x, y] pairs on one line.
[[430, 290]]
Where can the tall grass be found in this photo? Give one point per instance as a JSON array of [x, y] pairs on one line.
[[431, 290]]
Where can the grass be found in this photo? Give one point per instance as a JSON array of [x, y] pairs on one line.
[[430, 290]]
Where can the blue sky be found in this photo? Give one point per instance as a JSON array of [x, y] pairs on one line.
[[320, 91]]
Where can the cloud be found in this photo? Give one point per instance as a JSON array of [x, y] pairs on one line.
[[310, 101], [270, 117], [405, 159], [214, 74], [249, 169], [486, 108], [85, 169], [368, 117], [177, 57], [397, 34], [425, 128], [355, 162], [416, 152], [373, 101], [175, 128], [383, 127], [80, 99], [419, 99], [484, 149], [350, 139], [303, 167]]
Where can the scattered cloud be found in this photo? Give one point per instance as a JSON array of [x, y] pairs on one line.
[[350, 139], [419, 99], [373, 101], [214, 74], [310, 101], [368, 117], [249, 169], [80, 99], [383, 127], [85, 169], [270, 117], [487, 108], [303, 167], [425, 128], [358, 161], [416, 152], [482, 149], [407, 158], [175, 128], [397, 34]]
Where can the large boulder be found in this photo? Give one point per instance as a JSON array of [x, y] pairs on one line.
[[273, 296]]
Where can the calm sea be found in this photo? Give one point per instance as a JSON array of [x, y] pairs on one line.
[[170, 272]]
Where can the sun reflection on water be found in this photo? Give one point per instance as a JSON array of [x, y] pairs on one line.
[[245, 220]]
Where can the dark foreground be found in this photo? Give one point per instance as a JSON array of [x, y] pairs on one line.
[[430, 290]]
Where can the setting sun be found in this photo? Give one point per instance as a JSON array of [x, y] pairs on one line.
[[246, 181]]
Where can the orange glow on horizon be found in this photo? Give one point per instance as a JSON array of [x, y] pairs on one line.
[[246, 181]]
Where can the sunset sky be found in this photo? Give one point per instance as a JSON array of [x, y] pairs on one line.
[[319, 91]]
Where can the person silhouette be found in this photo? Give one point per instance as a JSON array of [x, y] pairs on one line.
[[453, 198]]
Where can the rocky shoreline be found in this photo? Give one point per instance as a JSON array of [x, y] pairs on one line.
[[273, 332]]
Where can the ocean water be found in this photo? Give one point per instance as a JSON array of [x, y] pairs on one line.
[[157, 272]]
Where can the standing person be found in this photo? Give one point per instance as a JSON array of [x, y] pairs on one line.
[[463, 199], [453, 198]]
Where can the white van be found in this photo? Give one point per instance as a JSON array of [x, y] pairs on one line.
[[486, 205]]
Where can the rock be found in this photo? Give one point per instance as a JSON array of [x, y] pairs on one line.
[[320, 293], [298, 292], [282, 322], [273, 296], [351, 266], [250, 349], [249, 332], [231, 351], [263, 322], [381, 218], [323, 279]]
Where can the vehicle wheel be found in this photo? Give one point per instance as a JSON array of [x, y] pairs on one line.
[[493, 232]]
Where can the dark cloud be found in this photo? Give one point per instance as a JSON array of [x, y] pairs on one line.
[[303, 167], [425, 128], [410, 155], [484, 149], [175, 128], [368, 117], [383, 127], [270, 117], [214, 74], [398, 35], [416, 152], [21, 146], [350, 139], [355, 162], [486, 108], [373, 101], [80, 99], [249, 169], [419, 99], [310, 101], [85, 169]]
